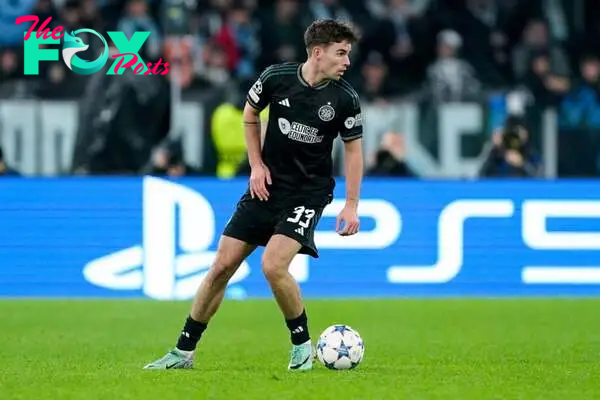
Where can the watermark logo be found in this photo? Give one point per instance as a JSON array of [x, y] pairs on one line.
[[73, 45], [37, 47]]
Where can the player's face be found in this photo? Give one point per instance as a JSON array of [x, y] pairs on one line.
[[334, 60]]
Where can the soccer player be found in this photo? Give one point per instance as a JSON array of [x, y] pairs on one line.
[[290, 184]]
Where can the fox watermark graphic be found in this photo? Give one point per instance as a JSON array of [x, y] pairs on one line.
[[73, 44], [127, 57]]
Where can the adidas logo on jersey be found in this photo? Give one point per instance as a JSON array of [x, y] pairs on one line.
[[299, 230], [284, 102]]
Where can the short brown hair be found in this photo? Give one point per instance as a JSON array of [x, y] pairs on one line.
[[327, 31]]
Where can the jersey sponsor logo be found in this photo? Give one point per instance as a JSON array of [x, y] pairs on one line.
[[349, 122], [299, 132], [326, 112], [284, 126], [285, 102]]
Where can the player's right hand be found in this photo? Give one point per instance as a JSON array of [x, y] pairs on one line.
[[259, 178]]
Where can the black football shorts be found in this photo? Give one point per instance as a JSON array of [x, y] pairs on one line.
[[295, 216]]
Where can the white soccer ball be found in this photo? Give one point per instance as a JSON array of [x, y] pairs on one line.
[[340, 347]]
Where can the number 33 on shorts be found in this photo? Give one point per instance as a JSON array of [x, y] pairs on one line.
[[303, 217]]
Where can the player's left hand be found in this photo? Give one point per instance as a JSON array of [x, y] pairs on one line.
[[347, 222]]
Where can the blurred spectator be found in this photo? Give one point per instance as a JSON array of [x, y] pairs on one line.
[[396, 38], [70, 16], [546, 87], [10, 65], [227, 133], [483, 25], [581, 107], [12, 83], [213, 70], [89, 15], [122, 117], [450, 78], [328, 9], [375, 85], [6, 170], [510, 153], [541, 65], [10, 10], [282, 34], [179, 53], [167, 160], [389, 158], [536, 39], [138, 18], [579, 121], [237, 37]]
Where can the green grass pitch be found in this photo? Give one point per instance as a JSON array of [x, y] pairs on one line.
[[415, 349]]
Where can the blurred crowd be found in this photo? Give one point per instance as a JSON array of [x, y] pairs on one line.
[[424, 50]]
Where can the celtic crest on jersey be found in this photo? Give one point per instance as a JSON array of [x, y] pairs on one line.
[[326, 113]]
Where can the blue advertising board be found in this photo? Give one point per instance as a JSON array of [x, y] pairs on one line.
[[156, 238]]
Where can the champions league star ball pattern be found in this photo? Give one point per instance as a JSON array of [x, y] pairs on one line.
[[340, 347]]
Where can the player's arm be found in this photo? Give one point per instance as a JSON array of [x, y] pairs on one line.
[[260, 175], [348, 222], [257, 99], [252, 131], [351, 134], [353, 171]]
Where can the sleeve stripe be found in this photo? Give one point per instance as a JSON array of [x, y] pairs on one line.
[[349, 138], [266, 77], [349, 87], [274, 71], [252, 103], [350, 91], [284, 67]]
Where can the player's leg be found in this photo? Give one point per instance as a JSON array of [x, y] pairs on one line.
[[276, 260], [294, 233], [230, 254], [277, 257]]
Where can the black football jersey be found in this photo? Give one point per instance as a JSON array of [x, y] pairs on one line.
[[303, 123]]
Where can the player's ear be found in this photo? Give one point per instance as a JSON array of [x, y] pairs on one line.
[[316, 51]]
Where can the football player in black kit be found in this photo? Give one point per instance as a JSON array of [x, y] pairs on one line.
[[290, 184]]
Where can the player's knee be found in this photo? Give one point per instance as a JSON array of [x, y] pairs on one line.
[[273, 267], [223, 268]]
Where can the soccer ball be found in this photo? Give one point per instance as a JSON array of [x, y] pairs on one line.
[[340, 347]]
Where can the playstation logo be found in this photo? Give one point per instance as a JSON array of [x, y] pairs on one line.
[[178, 229]]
